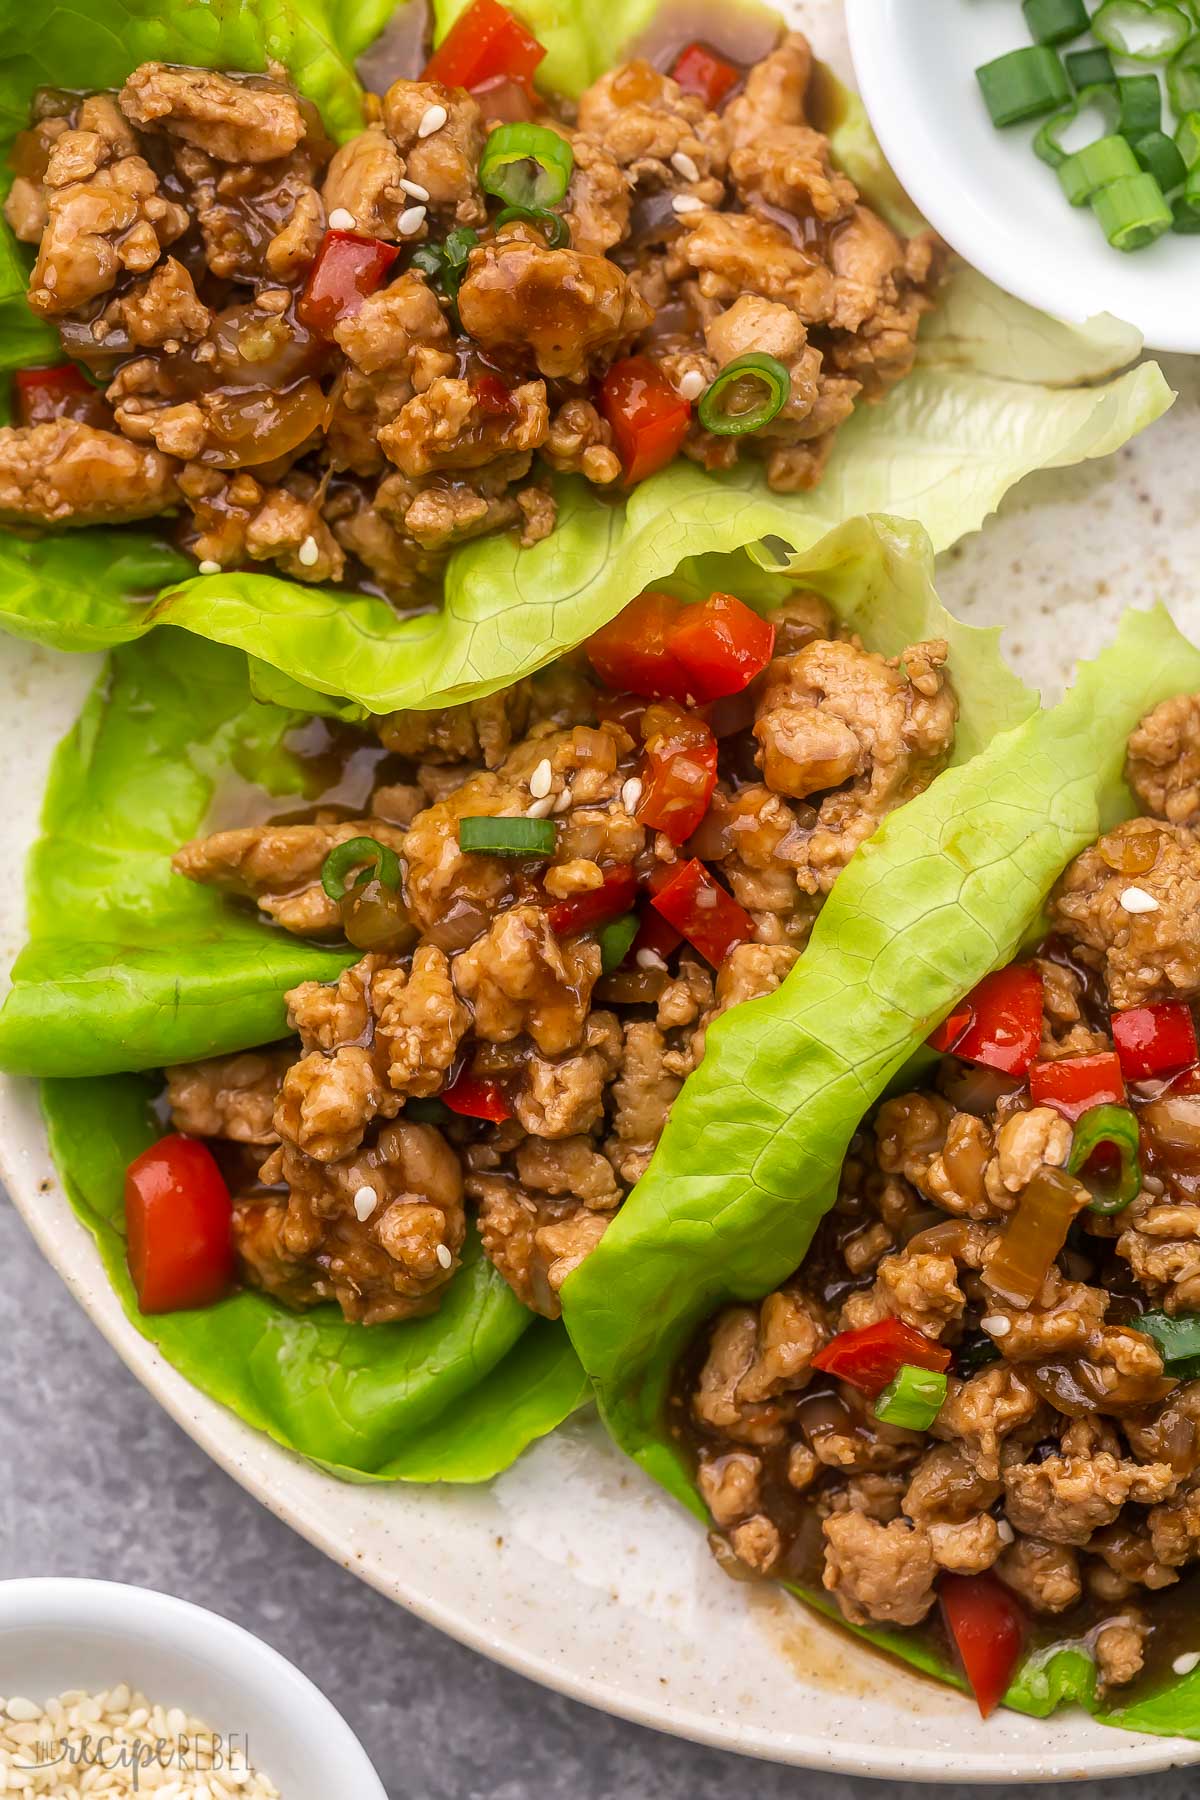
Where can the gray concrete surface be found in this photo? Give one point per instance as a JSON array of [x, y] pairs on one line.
[[96, 1480]]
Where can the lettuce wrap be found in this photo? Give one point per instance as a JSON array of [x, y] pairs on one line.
[[999, 392], [130, 967], [947, 889]]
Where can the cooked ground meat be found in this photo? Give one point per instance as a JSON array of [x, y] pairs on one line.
[[181, 224], [1065, 1456], [483, 975]]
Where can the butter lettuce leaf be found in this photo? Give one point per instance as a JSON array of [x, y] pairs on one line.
[[946, 890], [998, 395], [453, 1397]]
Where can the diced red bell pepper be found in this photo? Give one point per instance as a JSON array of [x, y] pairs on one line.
[[485, 44], [723, 644], [999, 1024], [177, 1224], [655, 934], [1155, 1040], [703, 912], [633, 650], [1074, 1083], [699, 70], [678, 772], [623, 709], [870, 1357], [649, 420], [477, 1097], [348, 267], [492, 396], [988, 1628], [583, 912], [45, 394]]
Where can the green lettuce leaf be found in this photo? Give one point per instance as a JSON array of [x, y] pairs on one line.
[[999, 394], [945, 891], [453, 1397], [131, 967]]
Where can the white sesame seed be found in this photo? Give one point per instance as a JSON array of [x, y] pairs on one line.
[[650, 959], [540, 808], [341, 220], [365, 1202], [444, 1256], [542, 779], [631, 793], [706, 899], [209, 567], [432, 119], [1183, 1665], [414, 189], [687, 203], [308, 552], [691, 385], [683, 165], [1004, 1531], [411, 220], [1137, 900], [996, 1325], [22, 1710], [563, 801]]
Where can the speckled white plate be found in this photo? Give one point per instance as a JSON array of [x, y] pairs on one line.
[[573, 1568]]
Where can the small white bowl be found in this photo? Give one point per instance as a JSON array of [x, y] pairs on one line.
[[57, 1634], [985, 191]]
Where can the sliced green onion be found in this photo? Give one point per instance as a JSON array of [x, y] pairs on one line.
[[1048, 142], [1090, 68], [1141, 105], [1187, 139], [1132, 212], [1093, 167], [1107, 1129], [1186, 210], [428, 1112], [552, 225], [1178, 1338], [614, 941], [1159, 156], [508, 837], [745, 396], [913, 1398], [367, 853], [1183, 77], [1054, 21], [1023, 84], [526, 165], [1143, 33]]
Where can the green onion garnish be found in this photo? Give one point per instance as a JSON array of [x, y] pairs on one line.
[[1132, 212], [1113, 1131], [1183, 77], [1090, 68], [1054, 21], [377, 862], [1024, 84], [1141, 105], [1143, 33], [1159, 156], [1048, 142], [526, 165], [614, 941], [552, 225], [1178, 1338], [1186, 210], [913, 1398], [508, 837], [746, 395], [1187, 139], [1093, 167]]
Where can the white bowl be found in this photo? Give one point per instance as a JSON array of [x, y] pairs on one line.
[[984, 189], [57, 1634]]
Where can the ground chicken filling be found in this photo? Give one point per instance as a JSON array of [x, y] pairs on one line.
[[1057, 1286], [492, 1052], [341, 362]]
